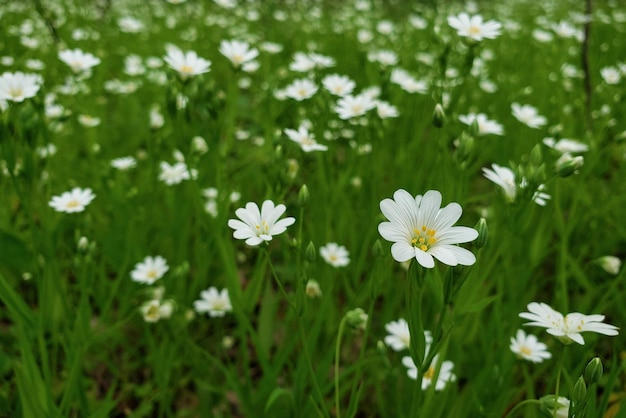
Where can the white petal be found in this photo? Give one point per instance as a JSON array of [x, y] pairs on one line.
[[423, 258], [392, 232], [442, 254], [463, 257], [402, 251]]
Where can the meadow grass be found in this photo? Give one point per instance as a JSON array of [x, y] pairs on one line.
[[77, 338]]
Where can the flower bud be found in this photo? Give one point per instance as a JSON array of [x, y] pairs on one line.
[[549, 404], [567, 165], [483, 233], [610, 264], [356, 319], [303, 195], [579, 392], [535, 157], [593, 371], [310, 252], [439, 116]]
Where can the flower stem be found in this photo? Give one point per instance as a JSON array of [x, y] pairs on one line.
[[521, 404], [342, 325], [558, 379]]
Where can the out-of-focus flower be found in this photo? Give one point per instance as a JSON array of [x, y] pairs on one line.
[[566, 328], [149, 270], [610, 264], [485, 126], [528, 115], [213, 302], [445, 372], [175, 174], [18, 86], [124, 163], [349, 107], [566, 145], [339, 85], [611, 75], [529, 348], [154, 310], [78, 60], [305, 139], [76, 200], [238, 52], [187, 63], [419, 228], [473, 27], [334, 254], [258, 226], [301, 89]]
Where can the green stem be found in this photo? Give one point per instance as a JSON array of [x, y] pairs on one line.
[[307, 355], [558, 379], [342, 325], [521, 404]]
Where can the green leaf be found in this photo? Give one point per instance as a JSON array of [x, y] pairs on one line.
[[276, 394], [15, 255], [477, 306]]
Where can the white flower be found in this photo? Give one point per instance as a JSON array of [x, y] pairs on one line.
[[186, 63], [385, 58], [339, 85], [528, 115], [78, 60], [566, 328], [129, 24], [88, 121], [473, 27], [399, 337], [529, 348], [124, 163], [503, 177], [149, 270], [301, 63], [213, 302], [238, 52], [566, 145], [16, 87], [386, 110], [301, 89], [259, 226], [175, 174], [335, 255], [155, 309], [407, 82], [419, 228], [354, 106], [485, 126], [445, 372], [73, 201], [610, 75], [305, 139]]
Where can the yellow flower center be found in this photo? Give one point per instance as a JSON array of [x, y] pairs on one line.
[[423, 239], [430, 373], [474, 30], [263, 228], [15, 92], [73, 203], [186, 69], [525, 350], [152, 274], [237, 59]]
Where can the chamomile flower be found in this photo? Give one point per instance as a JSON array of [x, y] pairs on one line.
[[334, 254], [419, 228], [238, 52], [258, 226], [445, 372], [473, 27], [529, 348], [149, 270], [18, 86], [528, 115], [213, 302], [568, 328], [78, 60], [76, 200], [187, 64]]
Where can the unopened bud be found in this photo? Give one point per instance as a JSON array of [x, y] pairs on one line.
[[567, 165], [535, 156], [303, 195], [356, 319], [310, 252], [549, 403], [580, 391], [439, 116], [593, 371], [483, 233]]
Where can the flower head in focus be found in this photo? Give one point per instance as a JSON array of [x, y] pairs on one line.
[[258, 226], [568, 328], [529, 348], [419, 228], [76, 200]]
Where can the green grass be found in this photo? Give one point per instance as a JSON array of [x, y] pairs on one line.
[[73, 342]]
